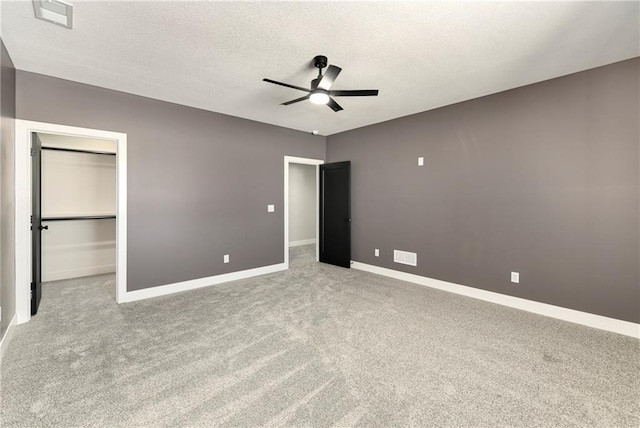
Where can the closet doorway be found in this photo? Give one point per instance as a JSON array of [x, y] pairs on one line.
[[71, 208], [301, 196]]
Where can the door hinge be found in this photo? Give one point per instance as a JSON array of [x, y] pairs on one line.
[[33, 151]]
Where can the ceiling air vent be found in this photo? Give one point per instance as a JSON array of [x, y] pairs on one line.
[[54, 11]]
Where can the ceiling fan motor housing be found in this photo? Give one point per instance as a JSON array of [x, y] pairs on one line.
[[320, 61]]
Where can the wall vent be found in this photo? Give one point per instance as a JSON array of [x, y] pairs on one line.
[[405, 258]]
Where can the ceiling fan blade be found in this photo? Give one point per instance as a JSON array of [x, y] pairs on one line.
[[297, 100], [334, 105], [355, 93], [287, 85], [329, 77]]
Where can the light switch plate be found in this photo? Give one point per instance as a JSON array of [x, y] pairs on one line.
[[271, 208], [420, 161]]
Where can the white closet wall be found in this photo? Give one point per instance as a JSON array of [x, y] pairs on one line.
[[71, 249], [76, 184]]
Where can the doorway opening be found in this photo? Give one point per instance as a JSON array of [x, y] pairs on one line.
[[301, 204], [81, 208], [73, 211]]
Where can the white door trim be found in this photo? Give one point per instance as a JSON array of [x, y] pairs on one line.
[[24, 128], [304, 161]]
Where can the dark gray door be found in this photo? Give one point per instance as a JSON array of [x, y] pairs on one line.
[[335, 213], [36, 223]]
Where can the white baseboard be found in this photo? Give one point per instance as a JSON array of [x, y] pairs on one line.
[[163, 290], [584, 318], [4, 341], [77, 273], [302, 242]]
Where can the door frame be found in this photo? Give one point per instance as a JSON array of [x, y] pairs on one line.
[[303, 161], [24, 129]]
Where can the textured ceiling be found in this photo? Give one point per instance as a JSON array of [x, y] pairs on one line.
[[213, 55]]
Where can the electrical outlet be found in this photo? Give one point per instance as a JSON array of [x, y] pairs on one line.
[[226, 258], [376, 252], [515, 277], [421, 161]]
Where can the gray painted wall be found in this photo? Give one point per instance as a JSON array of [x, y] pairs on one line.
[[7, 192], [542, 180], [198, 182]]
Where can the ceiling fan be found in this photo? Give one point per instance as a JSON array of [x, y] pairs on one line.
[[320, 92]]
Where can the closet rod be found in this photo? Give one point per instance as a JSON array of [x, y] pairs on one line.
[[92, 152], [79, 217]]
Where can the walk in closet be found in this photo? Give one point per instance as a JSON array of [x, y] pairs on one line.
[[78, 194]]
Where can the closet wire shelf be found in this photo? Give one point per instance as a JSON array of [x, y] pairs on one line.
[[79, 217], [91, 152]]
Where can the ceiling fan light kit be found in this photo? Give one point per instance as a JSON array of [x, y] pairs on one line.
[[320, 91], [319, 96]]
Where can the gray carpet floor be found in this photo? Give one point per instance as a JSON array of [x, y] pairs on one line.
[[314, 346]]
